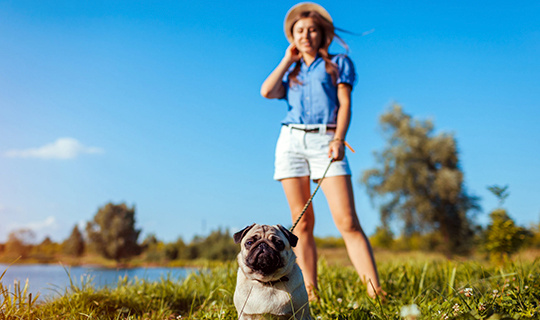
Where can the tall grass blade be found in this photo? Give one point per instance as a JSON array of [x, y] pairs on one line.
[[451, 281], [422, 278]]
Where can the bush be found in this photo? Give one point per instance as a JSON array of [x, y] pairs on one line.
[[503, 237]]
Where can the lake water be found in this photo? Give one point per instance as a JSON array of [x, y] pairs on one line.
[[52, 280]]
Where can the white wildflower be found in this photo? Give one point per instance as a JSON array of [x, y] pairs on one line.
[[456, 309], [410, 312]]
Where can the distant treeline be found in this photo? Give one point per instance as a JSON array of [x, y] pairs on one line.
[[112, 235], [216, 246]]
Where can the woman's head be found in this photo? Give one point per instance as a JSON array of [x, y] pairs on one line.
[[310, 20], [317, 17], [310, 34]]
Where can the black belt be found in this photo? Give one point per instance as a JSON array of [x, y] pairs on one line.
[[312, 130]]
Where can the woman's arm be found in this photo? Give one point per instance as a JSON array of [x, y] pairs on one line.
[[272, 87], [337, 148]]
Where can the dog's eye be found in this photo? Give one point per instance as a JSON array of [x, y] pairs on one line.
[[249, 243], [278, 243]]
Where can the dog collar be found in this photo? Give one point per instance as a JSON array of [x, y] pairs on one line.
[[271, 283]]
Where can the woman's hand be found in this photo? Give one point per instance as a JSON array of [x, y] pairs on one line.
[[292, 54], [336, 149], [272, 87]]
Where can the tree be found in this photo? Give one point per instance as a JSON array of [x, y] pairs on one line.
[[74, 245], [47, 247], [153, 248], [500, 192], [419, 181], [534, 230], [503, 237], [113, 233], [175, 250], [19, 242], [219, 245], [382, 238]]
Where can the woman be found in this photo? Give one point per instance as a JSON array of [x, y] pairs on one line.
[[317, 87]]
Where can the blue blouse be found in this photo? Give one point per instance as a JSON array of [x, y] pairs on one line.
[[315, 101]]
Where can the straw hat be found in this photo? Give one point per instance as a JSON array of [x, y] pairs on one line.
[[299, 8]]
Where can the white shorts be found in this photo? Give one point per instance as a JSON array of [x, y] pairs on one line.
[[300, 153]]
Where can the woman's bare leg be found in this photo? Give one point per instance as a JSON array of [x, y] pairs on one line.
[[339, 194], [297, 191]]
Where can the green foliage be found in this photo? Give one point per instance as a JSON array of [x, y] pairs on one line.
[[503, 237], [419, 242], [45, 251], [19, 243], [500, 192], [534, 240], [329, 242], [382, 238], [16, 302], [199, 295], [440, 290], [426, 242], [419, 181], [219, 245], [74, 245], [152, 249], [113, 233], [175, 250], [158, 251], [47, 247]]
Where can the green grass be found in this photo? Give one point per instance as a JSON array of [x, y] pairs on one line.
[[441, 290]]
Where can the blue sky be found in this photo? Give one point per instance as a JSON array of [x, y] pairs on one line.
[[157, 105]]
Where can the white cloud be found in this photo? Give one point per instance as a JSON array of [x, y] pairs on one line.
[[63, 148], [37, 226], [40, 228]]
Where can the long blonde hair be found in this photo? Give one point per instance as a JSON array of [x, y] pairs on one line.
[[327, 34]]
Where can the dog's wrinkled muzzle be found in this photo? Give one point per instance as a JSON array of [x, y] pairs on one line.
[[264, 259]]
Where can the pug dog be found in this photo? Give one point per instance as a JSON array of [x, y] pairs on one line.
[[269, 283]]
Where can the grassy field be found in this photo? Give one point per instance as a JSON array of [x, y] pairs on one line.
[[439, 289]]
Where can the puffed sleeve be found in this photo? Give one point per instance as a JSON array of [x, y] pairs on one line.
[[347, 74], [286, 82]]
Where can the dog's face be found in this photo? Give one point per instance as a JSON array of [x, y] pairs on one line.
[[266, 253]]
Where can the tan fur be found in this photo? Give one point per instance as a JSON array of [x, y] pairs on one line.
[[260, 296]]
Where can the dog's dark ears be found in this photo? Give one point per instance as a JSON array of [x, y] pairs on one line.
[[240, 234], [293, 240]]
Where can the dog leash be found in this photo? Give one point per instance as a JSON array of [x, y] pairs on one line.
[[319, 184], [312, 195], [297, 220]]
